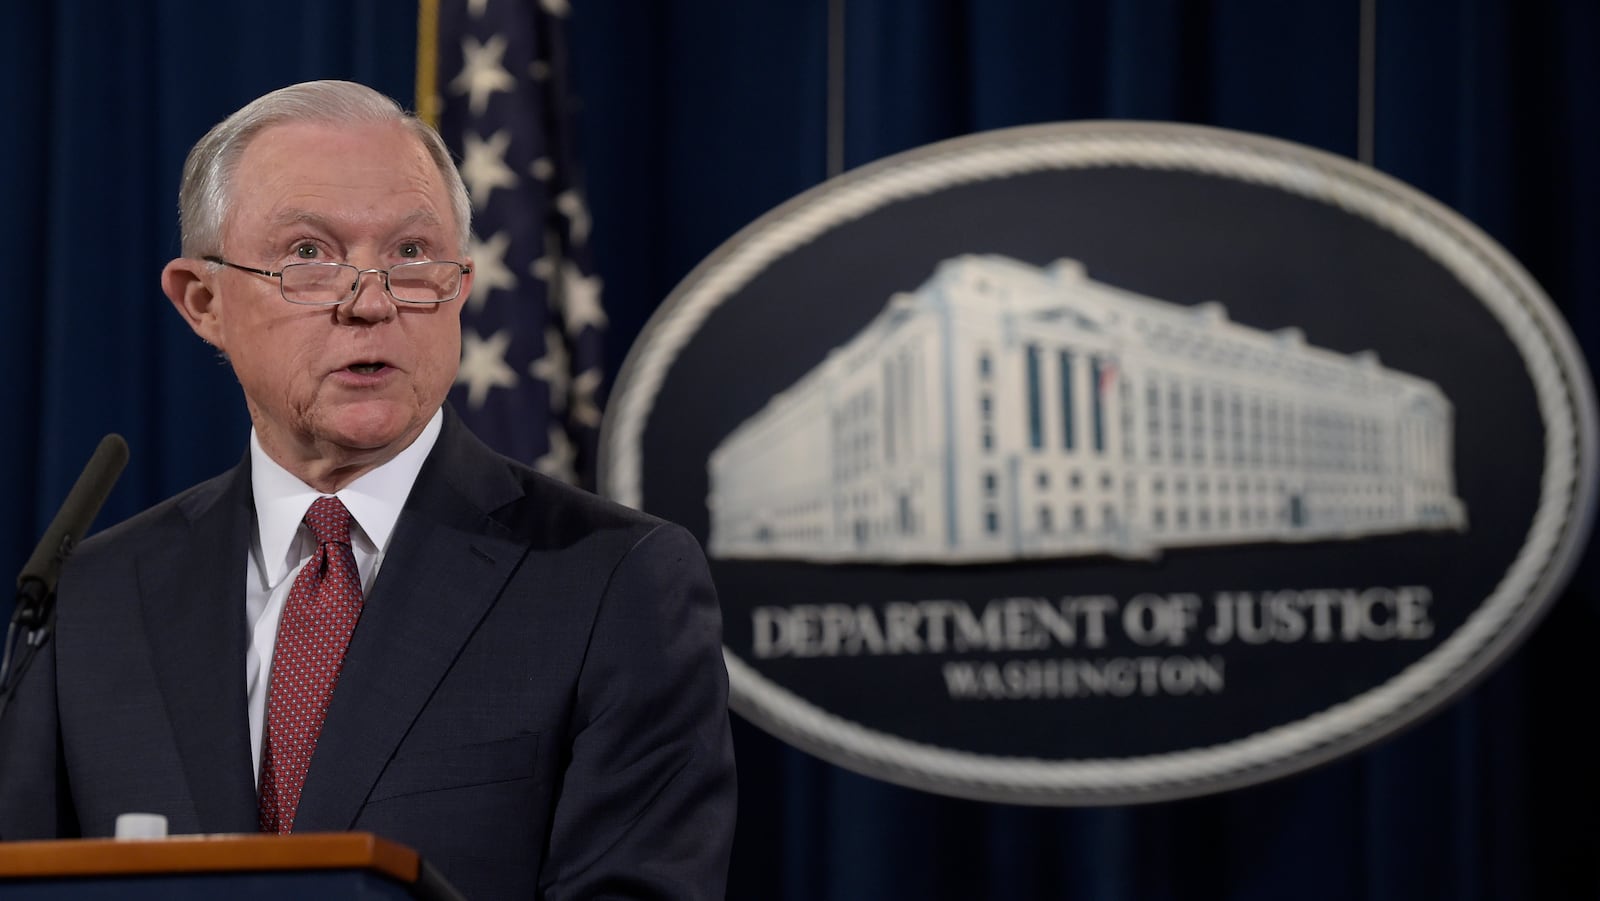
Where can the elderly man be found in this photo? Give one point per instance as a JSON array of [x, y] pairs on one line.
[[374, 622]]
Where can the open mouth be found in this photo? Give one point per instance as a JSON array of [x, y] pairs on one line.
[[365, 368]]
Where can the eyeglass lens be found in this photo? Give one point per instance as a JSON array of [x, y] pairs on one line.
[[327, 283]]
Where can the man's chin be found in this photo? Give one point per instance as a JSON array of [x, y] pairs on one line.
[[380, 431]]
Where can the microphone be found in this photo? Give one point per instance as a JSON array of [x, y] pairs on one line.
[[38, 577], [36, 584]]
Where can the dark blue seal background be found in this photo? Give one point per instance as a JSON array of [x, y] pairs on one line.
[[1273, 260]]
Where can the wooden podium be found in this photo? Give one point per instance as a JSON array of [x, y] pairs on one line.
[[333, 865]]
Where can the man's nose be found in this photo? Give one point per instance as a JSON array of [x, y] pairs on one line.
[[370, 301]]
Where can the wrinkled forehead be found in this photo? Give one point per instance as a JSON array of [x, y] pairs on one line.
[[335, 175]]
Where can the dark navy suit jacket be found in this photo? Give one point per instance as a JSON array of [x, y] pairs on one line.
[[534, 697]]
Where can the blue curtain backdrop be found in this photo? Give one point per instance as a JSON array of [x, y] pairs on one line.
[[699, 115]]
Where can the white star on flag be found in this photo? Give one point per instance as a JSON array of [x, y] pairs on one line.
[[557, 461], [483, 365], [580, 299], [483, 166], [552, 368], [584, 408], [482, 74], [489, 269], [570, 203], [544, 268]]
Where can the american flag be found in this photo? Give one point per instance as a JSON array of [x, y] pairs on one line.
[[491, 75]]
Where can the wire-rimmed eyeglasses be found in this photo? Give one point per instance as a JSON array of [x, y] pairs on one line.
[[330, 284]]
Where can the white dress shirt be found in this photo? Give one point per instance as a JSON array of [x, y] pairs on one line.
[[282, 544]]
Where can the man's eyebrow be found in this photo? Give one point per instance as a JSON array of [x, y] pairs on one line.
[[420, 217], [297, 217], [307, 217]]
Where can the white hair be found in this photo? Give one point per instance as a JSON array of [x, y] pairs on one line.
[[204, 194]]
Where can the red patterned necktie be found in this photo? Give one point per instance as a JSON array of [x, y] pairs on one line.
[[318, 617]]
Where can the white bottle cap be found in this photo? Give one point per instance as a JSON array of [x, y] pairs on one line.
[[141, 825]]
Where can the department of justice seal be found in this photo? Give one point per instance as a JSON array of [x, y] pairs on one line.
[[1110, 462]]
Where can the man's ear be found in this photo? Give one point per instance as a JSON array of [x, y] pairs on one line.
[[187, 283]]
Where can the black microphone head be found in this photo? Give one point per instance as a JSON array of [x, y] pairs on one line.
[[77, 512]]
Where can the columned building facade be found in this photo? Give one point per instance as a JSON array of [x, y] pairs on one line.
[[1004, 411]]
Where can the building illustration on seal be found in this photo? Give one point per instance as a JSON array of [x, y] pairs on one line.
[[1002, 411]]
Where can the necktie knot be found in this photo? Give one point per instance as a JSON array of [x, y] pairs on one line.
[[329, 521]]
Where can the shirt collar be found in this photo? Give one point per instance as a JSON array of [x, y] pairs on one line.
[[374, 501]]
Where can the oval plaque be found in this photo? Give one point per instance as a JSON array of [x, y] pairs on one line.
[[1110, 462]]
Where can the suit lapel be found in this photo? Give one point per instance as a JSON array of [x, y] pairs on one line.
[[192, 599], [447, 562]]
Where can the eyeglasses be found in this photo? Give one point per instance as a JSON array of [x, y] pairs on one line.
[[331, 284]]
